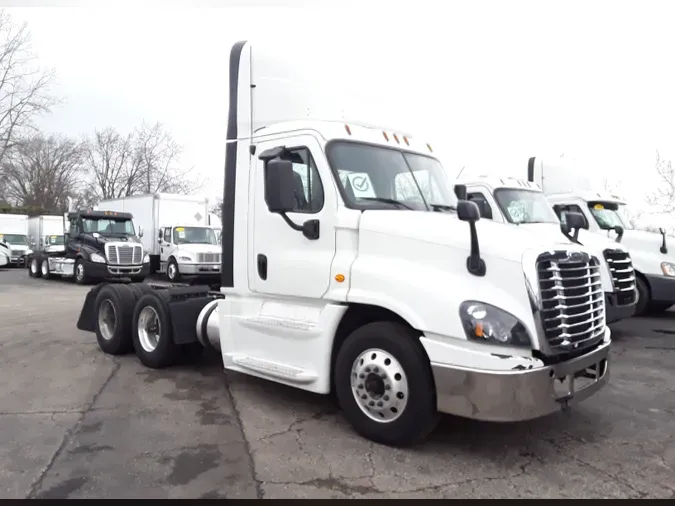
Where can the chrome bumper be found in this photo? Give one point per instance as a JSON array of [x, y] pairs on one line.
[[202, 269], [509, 396]]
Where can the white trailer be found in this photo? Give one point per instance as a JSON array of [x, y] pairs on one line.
[[14, 232], [176, 233], [46, 232], [341, 275]]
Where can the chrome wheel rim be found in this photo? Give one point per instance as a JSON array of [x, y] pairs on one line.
[[172, 271], [379, 385], [107, 319], [149, 329], [79, 271], [33, 266]]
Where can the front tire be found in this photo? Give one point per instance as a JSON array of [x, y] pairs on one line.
[[81, 277], [385, 386], [643, 297], [172, 271], [152, 334]]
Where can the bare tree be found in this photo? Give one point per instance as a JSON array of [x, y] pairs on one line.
[[217, 208], [42, 172], [159, 155], [23, 85], [114, 166], [663, 199]]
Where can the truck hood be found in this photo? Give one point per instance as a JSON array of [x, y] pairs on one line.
[[200, 248], [649, 241], [594, 242], [17, 247], [498, 240]]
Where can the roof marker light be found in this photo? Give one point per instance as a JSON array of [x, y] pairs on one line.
[[349, 130], [405, 139], [396, 139], [386, 137], [430, 150]]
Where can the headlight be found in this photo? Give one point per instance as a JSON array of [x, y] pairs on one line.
[[668, 269], [28, 252], [184, 259], [485, 323], [146, 258], [95, 257]]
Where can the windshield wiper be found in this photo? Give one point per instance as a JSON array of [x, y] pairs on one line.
[[387, 201], [442, 207]]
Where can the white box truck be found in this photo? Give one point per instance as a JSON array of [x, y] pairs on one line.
[[14, 232], [177, 235], [569, 189], [45, 232], [334, 282], [521, 203]]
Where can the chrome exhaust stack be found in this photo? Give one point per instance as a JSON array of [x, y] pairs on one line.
[[208, 329]]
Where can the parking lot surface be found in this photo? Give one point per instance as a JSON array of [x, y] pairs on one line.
[[77, 423]]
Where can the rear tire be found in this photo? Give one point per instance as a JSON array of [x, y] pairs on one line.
[[44, 269], [34, 268], [643, 296], [152, 334], [385, 366], [114, 308]]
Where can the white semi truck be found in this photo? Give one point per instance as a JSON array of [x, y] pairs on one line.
[[567, 188], [332, 281], [14, 232], [177, 233], [4, 253], [522, 203]]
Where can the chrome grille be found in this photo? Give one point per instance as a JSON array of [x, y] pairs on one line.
[[573, 303], [208, 258], [124, 254], [623, 275]]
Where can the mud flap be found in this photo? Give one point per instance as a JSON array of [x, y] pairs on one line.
[[87, 319]]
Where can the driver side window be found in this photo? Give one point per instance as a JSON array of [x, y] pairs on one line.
[[308, 191], [482, 203], [561, 209], [73, 231]]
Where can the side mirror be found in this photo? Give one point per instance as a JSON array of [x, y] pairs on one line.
[[467, 210], [279, 186], [575, 221], [140, 231], [619, 232], [460, 191]]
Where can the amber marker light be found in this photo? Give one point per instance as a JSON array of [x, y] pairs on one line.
[[339, 278]]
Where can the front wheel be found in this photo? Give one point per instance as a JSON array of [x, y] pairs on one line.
[[172, 271], [81, 277], [385, 386], [643, 297]]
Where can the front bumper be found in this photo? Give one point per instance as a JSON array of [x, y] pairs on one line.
[[199, 269], [614, 312], [662, 288], [17, 260], [104, 271], [510, 396]]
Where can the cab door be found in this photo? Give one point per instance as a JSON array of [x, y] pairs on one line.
[[165, 248], [282, 261]]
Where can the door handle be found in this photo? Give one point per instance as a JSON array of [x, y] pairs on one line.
[[262, 267]]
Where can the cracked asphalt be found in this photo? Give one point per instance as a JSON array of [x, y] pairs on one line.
[[75, 423]]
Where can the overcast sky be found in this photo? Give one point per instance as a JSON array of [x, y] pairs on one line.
[[490, 83]]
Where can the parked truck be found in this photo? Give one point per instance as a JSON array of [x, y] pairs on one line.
[[4, 253], [522, 203], [98, 245], [653, 254], [14, 232], [45, 231], [178, 237], [332, 281]]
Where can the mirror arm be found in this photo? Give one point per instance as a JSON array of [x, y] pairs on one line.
[[664, 248], [572, 237], [310, 229], [474, 263], [295, 227]]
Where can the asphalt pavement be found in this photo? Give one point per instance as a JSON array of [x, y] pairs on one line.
[[75, 423]]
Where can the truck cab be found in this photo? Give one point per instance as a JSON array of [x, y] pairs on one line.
[[522, 203], [98, 245], [652, 254], [350, 266], [19, 247], [189, 251]]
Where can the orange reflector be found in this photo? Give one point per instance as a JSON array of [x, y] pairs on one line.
[[396, 139], [479, 330], [430, 150], [405, 139], [386, 137], [349, 130], [339, 278]]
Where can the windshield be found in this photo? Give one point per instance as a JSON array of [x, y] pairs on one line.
[[194, 235], [55, 240], [374, 177], [14, 239], [525, 206], [108, 226], [608, 215]]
